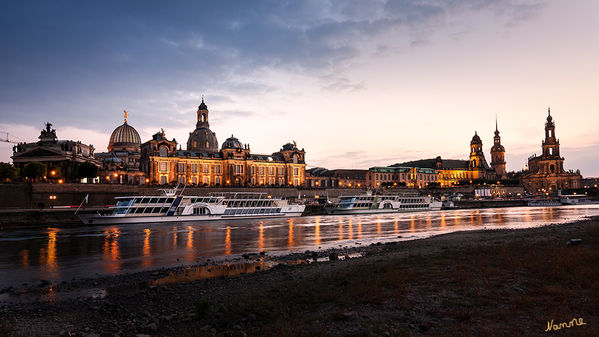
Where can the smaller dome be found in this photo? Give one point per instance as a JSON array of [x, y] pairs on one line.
[[124, 135], [203, 105], [475, 139], [232, 143]]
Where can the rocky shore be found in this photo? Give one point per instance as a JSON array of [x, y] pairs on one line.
[[491, 282]]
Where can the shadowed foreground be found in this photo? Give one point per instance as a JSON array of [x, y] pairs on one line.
[[492, 283]]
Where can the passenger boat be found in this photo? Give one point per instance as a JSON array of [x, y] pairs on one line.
[[576, 199], [170, 207], [369, 204]]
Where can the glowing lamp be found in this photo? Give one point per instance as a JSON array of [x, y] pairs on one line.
[[116, 174], [52, 173], [60, 181]]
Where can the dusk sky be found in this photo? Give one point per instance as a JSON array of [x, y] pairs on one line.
[[355, 83]]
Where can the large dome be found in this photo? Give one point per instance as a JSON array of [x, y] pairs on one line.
[[124, 136], [232, 143], [202, 140]]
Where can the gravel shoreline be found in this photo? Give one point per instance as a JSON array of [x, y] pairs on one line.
[[160, 302]]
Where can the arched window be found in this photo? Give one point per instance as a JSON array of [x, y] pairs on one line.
[[203, 117], [552, 168], [163, 151], [295, 158]]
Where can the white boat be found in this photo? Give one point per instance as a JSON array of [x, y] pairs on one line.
[[170, 207], [576, 199], [369, 204]]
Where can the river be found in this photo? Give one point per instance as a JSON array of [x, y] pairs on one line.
[[60, 254]]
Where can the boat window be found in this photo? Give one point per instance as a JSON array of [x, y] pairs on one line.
[[153, 200]]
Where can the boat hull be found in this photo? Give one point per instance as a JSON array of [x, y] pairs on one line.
[[94, 219], [338, 211]]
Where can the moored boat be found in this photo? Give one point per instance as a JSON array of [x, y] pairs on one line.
[[171, 207], [392, 203]]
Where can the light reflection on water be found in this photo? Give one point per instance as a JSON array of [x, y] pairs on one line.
[[61, 254]]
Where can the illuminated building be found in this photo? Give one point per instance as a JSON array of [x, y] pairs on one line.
[[60, 156], [233, 165], [443, 172], [121, 162], [392, 176], [546, 172]]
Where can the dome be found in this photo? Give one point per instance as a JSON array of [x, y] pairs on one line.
[[203, 105], [202, 140], [497, 148], [232, 143], [124, 135], [289, 147], [475, 139]]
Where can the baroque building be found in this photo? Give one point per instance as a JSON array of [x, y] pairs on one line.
[[233, 165], [121, 164], [63, 155], [443, 172], [546, 172]]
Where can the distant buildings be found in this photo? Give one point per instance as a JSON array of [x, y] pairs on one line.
[[61, 157], [546, 172], [443, 172]]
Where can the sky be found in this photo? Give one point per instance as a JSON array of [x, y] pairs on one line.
[[355, 83]]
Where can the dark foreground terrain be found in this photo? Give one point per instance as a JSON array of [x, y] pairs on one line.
[[480, 283]]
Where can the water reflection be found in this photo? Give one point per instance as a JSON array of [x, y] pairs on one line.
[[87, 250], [317, 231], [111, 250], [25, 257], [228, 241], [290, 234]]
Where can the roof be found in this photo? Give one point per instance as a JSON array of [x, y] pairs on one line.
[[432, 163]]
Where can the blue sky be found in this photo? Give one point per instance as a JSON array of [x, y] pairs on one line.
[[356, 83]]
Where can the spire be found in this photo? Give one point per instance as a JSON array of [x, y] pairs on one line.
[[549, 110], [126, 113], [496, 128]]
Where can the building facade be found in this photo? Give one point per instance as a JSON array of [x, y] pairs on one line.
[[232, 165], [322, 178], [392, 176], [546, 172], [60, 156]]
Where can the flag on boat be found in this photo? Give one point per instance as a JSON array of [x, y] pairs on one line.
[[86, 200]]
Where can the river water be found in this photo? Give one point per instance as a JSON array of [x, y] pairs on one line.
[[58, 254]]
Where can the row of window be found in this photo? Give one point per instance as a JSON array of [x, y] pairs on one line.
[[235, 169], [405, 176], [252, 211]]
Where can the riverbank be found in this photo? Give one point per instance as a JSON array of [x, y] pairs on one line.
[[496, 283]]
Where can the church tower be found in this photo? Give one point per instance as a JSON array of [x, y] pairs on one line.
[[498, 154], [550, 144], [477, 157], [202, 139]]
